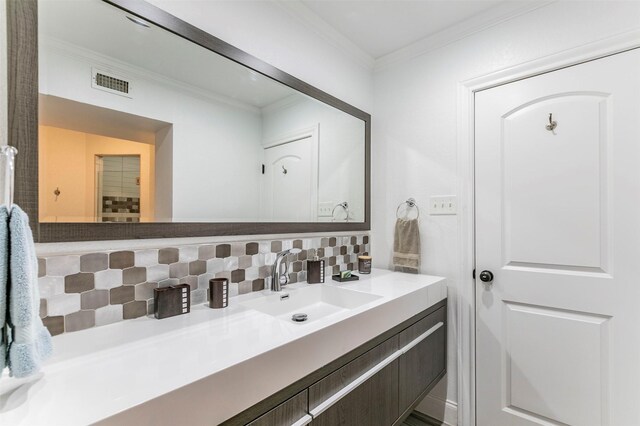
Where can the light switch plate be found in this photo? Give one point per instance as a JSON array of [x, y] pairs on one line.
[[325, 208], [443, 205]]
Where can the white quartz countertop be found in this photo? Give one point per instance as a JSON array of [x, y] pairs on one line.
[[204, 367]]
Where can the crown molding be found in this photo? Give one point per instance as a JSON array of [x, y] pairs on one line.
[[311, 20], [485, 20]]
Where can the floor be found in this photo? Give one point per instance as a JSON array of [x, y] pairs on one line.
[[419, 419]]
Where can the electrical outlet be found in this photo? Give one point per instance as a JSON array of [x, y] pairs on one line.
[[443, 205], [325, 209]]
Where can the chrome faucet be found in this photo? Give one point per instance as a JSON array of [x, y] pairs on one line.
[[280, 278]]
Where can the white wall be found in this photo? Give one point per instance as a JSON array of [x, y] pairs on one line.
[[414, 124], [200, 125], [341, 149]]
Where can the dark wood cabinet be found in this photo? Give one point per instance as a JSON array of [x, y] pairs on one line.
[[376, 384], [423, 363], [289, 412], [372, 401]]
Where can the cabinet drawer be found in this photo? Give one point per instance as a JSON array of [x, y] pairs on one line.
[[342, 377], [425, 361], [291, 412]]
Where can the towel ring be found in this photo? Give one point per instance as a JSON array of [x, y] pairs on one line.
[[411, 202], [345, 206]]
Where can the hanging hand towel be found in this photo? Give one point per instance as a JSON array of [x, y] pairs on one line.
[[406, 246], [4, 273], [31, 343]]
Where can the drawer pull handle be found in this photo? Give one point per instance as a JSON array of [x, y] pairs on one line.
[[371, 372], [421, 337], [353, 385], [305, 420]]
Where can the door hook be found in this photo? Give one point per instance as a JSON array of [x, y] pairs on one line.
[[284, 171], [552, 124]]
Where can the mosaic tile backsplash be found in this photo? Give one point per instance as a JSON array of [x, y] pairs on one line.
[[94, 289]]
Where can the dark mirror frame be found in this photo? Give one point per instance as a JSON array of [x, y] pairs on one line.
[[22, 75]]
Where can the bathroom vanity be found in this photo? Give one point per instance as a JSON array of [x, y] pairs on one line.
[[369, 351]]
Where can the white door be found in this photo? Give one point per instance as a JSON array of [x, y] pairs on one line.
[[558, 225], [290, 195]]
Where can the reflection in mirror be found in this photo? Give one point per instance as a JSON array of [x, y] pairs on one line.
[[140, 125]]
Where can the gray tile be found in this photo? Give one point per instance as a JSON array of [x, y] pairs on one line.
[[150, 306], [108, 279], [109, 314], [79, 321], [178, 270], [167, 256], [188, 253], [206, 252], [60, 266], [146, 257], [332, 261], [237, 275], [42, 267], [157, 273], [296, 266], [144, 291], [365, 239], [343, 249], [135, 309], [198, 297], [168, 282], [244, 262], [257, 284], [197, 267], [43, 308], [192, 280], [333, 242], [324, 242], [55, 325], [120, 295], [50, 286], [303, 255], [245, 287], [78, 283], [121, 259], [276, 246], [94, 299], [94, 262], [63, 304], [293, 277], [238, 249], [297, 244], [223, 250], [320, 252], [135, 275], [353, 240], [252, 248]]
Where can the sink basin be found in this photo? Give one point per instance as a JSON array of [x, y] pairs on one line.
[[316, 301]]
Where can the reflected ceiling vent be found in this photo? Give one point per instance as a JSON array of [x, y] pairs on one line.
[[111, 83]]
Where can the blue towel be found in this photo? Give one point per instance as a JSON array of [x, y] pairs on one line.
[[31, 343], [4, 273]]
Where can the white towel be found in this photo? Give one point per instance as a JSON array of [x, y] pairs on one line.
[[31, 343]]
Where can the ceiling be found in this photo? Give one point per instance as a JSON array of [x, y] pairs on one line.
[[380, 27]]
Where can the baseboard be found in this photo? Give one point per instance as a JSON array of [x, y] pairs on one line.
[[445, 411]]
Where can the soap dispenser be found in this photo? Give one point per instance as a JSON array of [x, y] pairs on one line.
[[315, 270]]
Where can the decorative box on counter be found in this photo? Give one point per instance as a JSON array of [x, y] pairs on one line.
[[171, 301]]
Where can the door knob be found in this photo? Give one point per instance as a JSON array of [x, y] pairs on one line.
[[486, 276]]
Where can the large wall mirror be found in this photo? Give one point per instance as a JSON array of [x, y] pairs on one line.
[[149, 127]]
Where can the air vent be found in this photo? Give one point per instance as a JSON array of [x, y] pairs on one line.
[[111, 83]]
